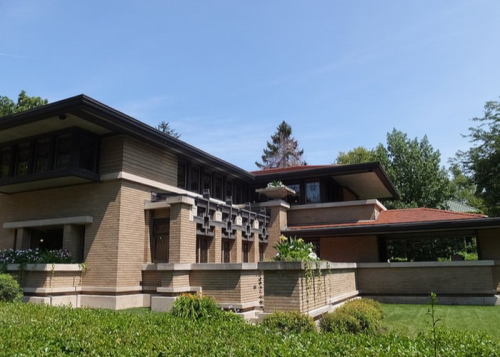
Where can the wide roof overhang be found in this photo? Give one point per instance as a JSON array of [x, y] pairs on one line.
[[342, 230], [86, 113], [367, 180]]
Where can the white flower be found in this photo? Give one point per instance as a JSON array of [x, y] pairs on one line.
[[313, 256]]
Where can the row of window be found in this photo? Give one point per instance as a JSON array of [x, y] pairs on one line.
[[195, 179], [312, 192], [49, 153]]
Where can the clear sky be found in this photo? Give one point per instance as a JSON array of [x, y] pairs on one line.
[[342, 73]]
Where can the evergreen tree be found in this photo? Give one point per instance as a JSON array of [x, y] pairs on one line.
[[164, 127], [282, 151]]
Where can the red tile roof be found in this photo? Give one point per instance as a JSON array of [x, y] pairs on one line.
[[278, 170], [412, 215]]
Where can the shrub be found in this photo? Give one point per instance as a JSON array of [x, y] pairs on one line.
[[289, 321], [201, 307], [294, 249], [10, 291], [360, 315]]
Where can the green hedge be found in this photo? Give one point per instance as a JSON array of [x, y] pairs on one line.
[[10, 291], [360, 315], [289, 321], [39, 330]]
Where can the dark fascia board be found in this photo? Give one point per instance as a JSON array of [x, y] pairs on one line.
[[333, 171], [119, 122], [479, 223]]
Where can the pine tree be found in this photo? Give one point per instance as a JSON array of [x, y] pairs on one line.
[[282, 151], [164, 127]]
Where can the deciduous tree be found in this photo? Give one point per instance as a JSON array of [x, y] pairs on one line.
[[24, 102], [481, 163], [412, 165]]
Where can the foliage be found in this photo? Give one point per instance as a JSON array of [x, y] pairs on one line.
[[413, 167], [357, 155], [282, 151], [34, 256], [481, 163], [24, 102], [275, 184], [10, 291], [293, 249], [360, 315], [464, 190], [433, 322], [431, 249], [289, 321], [41, 330], [201, 307], [164, 127]]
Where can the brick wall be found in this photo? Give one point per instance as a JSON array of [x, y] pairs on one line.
[[423, 278], [287, 287], [133, 233], [149, 161], [98, 200]]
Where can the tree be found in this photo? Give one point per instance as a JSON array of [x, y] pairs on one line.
[[282, 151], [414, 168], [356, 156], [164, 127], [24, 102], [464, 190], [481, 163], [411, 165]]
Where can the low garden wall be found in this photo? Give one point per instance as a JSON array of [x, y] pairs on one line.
[[234, 285], [461, 278], [48, 279], [307, 286]]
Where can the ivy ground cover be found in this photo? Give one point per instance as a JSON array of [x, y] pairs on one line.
[[35, 330]]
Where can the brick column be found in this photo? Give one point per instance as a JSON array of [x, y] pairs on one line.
[[215, 250], [182, 230], [277, 223], [236, 249]]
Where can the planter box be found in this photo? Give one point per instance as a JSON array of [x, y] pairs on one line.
[[287, 286], [276, 192], [48, 279]]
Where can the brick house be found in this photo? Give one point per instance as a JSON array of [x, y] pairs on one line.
[[152, 217]]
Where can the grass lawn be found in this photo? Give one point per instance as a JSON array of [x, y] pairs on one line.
[[412, 319]]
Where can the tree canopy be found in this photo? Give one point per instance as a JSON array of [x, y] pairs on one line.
[[481, 163], [24, 102], [413, 167], [282, 151], [164, 127]]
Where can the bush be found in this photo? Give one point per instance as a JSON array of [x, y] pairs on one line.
[[289, 321], [201, 307], [360, 315], [10, 291]]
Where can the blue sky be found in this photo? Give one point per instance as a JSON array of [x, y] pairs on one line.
[[226, 73]]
